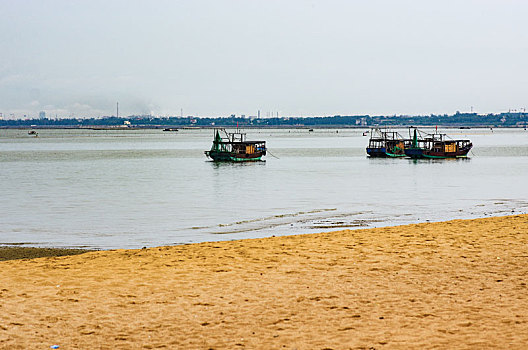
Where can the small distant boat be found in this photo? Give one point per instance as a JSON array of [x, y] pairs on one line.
[[33, 133], [233, 147], [386, 144], [310, 130], [170, 129], [436, 145]]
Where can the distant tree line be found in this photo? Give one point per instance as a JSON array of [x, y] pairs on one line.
[[510, 119]]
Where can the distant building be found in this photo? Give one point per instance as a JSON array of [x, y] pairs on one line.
[[42, 115]]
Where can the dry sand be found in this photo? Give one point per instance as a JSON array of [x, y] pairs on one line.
[[457, 284]]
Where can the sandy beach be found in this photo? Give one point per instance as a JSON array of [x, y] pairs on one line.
[[458, 284]]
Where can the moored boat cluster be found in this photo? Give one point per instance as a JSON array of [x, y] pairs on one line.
[[390, 144], [233, 147]]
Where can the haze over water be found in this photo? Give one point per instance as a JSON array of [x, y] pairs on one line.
[[135, 188]]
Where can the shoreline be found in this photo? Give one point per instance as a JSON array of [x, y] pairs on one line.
[[253, 127], [459, 283], [24, 250]]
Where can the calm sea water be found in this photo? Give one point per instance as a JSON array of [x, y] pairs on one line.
[[135, 188]]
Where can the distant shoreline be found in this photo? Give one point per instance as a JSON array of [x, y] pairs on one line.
[[246, 127], [457, 120]]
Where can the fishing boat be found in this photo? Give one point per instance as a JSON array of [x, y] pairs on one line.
[[386, 144], [233, 147], [424, 145]]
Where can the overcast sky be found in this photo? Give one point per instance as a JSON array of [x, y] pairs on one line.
[[223, 57]]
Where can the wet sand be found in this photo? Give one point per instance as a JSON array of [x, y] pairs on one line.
[[459, 285], [13, 252]]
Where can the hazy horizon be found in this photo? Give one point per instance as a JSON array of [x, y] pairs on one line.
[[297, 58]]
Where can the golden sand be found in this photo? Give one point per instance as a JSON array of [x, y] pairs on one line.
[[457, 284]]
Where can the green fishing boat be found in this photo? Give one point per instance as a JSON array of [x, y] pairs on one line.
[[386, 144], [233, 147]]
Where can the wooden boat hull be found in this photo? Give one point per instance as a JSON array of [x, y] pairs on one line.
[[419, 153], [382, 153], [234, 157]]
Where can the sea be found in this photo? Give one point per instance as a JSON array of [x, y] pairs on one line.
[[109, 189]]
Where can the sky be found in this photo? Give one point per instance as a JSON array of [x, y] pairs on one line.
[[78, 58]]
